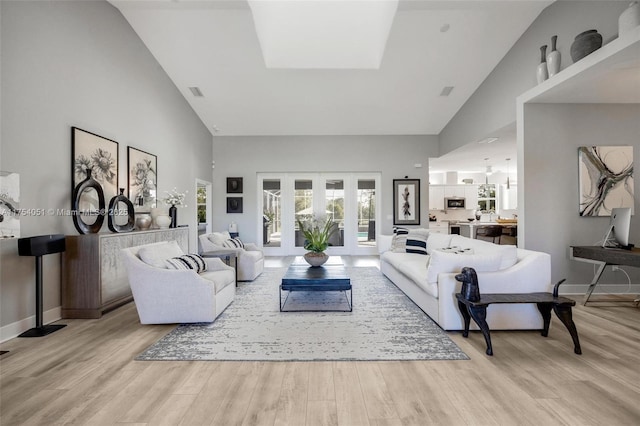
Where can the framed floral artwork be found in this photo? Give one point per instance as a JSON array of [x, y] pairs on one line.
[[406, 201], [98, 154], [143, 179]]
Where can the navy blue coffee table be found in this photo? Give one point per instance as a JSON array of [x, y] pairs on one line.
[[323, 278]]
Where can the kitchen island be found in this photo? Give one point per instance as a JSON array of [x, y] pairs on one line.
[[509, 230]]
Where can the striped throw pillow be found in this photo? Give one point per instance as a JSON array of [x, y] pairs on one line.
[[400, 231], [188, 261], [416, 244], [233, 243]]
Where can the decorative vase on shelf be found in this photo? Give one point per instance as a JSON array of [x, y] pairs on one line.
[[85, 194], [585, 43], [163, 221], [173, 214], [316, 259], [541, 71], [155, 212], [629, 19], [114, 211], [553, 58], [143, 222]]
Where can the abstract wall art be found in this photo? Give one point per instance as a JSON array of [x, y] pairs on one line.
[[406, 201], [606, 179]]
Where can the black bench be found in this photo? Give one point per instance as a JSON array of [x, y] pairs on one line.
[[545, 302]]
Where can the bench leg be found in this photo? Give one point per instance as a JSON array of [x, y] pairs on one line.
[[564, 314], [479, 315], [545, 311], [466, 317]]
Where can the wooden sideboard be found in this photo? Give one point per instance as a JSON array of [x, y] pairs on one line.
[[94, 277]]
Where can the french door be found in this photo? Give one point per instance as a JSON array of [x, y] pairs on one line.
[[348, 200]]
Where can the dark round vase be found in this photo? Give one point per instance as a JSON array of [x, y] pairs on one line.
[[114, 210], [173, 214], [585, 43], [86, 185]]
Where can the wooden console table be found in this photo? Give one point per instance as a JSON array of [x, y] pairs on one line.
[[604, 257], [94, 277], [545, 302]]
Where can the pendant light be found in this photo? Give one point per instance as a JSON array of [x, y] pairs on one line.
[[508, 184]]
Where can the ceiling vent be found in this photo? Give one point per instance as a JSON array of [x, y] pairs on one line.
[[446, 91], [195, 91]]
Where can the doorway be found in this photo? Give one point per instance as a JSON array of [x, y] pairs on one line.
[[346, 199]]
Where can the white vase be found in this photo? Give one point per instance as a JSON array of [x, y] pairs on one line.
[[163, 221], [155, 212], [629, 19], [553, 58], [541, 72]]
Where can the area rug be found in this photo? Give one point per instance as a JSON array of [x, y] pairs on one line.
[[384, 325]]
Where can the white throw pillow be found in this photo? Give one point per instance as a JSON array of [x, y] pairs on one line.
[[436, 241], [423, 232], [218, 238], [443, 262], [156, 254]]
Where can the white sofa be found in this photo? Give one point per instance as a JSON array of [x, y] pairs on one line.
[[429, 280], [167, 296], [250, 260]]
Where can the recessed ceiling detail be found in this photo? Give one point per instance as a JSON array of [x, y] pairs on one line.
[[446, 91], [195, 91]]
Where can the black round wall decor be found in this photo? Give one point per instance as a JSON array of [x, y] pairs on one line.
[[86, 185], [115, 211]]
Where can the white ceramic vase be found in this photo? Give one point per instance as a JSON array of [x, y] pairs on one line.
[[163, 221], [541, 72], [553, 58], [629, 19], [155, 212]]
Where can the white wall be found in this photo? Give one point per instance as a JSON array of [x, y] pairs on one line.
[[552, 134], [80, 64], [393, 156], [493, 105]]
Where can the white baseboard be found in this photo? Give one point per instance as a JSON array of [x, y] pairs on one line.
[[581, 289], [14, 329]]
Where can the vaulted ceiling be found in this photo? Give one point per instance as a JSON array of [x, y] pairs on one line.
[[212, 45]]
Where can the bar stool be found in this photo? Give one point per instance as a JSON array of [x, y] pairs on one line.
[[490, 231]]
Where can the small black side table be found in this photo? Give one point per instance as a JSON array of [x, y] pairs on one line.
[[38, 247], [545, 302]]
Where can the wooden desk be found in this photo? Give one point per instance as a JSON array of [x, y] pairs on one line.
[[604, 257]]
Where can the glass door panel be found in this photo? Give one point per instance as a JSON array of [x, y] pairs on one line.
[[366, 197], [303, 206], [334, 206], [271, 213]]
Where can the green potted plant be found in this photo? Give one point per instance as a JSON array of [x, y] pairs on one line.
[[316, 233]]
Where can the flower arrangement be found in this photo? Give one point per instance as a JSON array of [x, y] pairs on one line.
[[175, 198], [316, 233]]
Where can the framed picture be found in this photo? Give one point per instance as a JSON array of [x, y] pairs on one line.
[[606, 179], [234, 185], [234, 204], [9, 205], [143, 179], [406, 201], [100, 155]]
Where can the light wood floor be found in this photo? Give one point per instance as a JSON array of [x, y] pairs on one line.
[[85, 374]]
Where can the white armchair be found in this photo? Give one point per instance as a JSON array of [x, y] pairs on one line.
[[165, 296], [250, 260]]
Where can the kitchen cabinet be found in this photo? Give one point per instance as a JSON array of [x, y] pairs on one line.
[[439, 227], [508, 197], [471, 195], [454, 191], [436, 197]]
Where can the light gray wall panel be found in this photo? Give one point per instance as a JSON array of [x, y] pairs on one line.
[[393, 156], [493, 105], [80, 64]]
